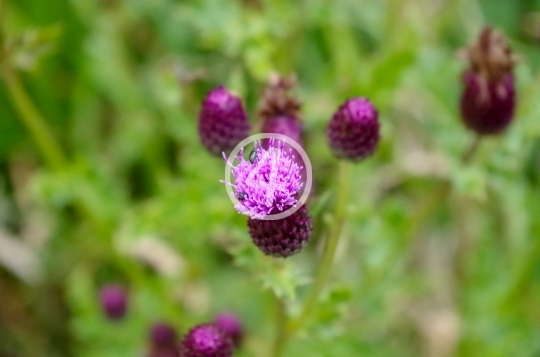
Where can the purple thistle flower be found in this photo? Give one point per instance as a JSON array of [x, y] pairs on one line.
[[113, 300], [282, 237], [269, 184], [353, 132], [230, 324], [206, 340], [223, 121]]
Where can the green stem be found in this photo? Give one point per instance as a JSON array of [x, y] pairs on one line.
[[281, 333], [33, 120], [473, 147], [329, 248]]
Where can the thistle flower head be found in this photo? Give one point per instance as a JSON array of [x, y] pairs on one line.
[[268, 182], [489, 99], [353, 131], [282, 237], [230, 323], [223, 121], [163, 335], [113, 299], [206, 340], [163, 341], [284, 125]]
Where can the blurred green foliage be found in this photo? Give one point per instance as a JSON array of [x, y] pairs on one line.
[[119, 84]]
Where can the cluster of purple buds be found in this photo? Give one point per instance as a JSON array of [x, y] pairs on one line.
[[216, 339], [268, 183]]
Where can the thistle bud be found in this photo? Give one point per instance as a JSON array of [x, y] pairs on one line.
[[230, 324], [163, 341], [206, 341], [353, 131], [223, 122], [282, 237], [279, 110], [114, 301], [489, 99]]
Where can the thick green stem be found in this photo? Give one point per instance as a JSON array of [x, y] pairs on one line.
[[329, 248], [33, 121]]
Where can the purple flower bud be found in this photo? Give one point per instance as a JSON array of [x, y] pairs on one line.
[[223, 121], [230, 324], [353, 132], [487, 108], [283, 237], [206, 341], [268, 185], [163, 341], [113, 300], [284, 125], [163, 335], [489, 99]]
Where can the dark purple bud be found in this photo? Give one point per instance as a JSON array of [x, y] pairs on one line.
[[223, 122], [163, 335], [206, 340], [230, 324], [487, 108], [114, 301], [353, 132], [283, 237], [163, 341], [489, 98], [284, 125]]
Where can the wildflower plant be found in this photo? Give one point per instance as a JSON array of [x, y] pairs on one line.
[[414, 243]]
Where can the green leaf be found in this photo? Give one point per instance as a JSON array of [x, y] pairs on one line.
[[470, 181]]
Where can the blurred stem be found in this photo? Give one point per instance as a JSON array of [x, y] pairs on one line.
[[33, 121], [329, 248], [281, 333], [473, 147]]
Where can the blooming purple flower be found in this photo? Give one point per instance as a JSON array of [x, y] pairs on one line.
[[113, 300], [230, 324], [268, 182], [206, 340]]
